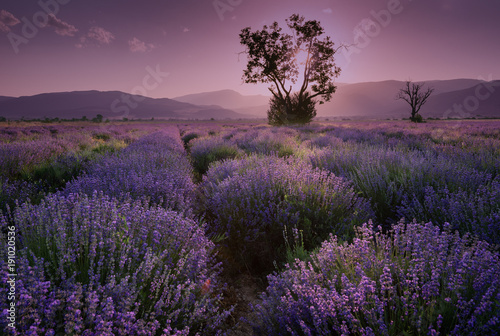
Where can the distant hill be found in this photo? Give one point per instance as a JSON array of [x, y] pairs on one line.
[[4, 98], [374, 100], [364, 100], [229, 99], [475, 101], [378, 100], [441, 86], [112, 105]]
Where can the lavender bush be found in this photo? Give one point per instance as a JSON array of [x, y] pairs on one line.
[[256, 202], [92, 266], [277, 141], [381, 174], [23, 149], [442, 186], [186, 138], [476, 211], [204, 151], [37, 160], [154, 168], [415, 281]]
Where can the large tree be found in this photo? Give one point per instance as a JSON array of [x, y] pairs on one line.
[[281, 59], [415, 96]]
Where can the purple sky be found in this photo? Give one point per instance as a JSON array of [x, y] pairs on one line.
[[131, 45]]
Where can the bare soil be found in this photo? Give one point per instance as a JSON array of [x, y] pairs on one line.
[[242, 290]]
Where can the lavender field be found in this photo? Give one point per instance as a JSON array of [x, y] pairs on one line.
[[343, 228]]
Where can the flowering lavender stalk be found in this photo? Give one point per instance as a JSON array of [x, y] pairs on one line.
[[92, 266], [416, 280]]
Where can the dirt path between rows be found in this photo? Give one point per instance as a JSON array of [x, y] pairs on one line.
[[243, 290]]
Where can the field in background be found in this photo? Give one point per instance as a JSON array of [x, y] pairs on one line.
[[360, 227]]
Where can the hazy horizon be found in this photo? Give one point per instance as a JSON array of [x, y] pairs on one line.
[[170, 49], [264, 93]]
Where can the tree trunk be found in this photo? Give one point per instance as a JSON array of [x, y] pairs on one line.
[[413, 114]]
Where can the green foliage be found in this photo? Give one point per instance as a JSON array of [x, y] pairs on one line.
[[300, 110], [204, 151], [51, 176], [417, 118], [188, 137], [98, 118], [102, 136], [295, 248]]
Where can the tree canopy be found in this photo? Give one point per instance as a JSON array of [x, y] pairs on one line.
[[273, 57]]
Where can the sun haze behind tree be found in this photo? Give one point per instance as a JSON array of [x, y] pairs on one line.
[[281, 59]]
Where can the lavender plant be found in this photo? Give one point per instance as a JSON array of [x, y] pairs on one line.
[[204, 151], [415, 281], [155, 168], [476, 211], [399, 182], [92, 266], [250, 202], [281, 141], [38, 160]]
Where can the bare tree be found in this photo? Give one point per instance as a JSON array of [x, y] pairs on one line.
[[414, 95]]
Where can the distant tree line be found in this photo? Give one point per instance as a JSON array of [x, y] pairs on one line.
[[97, 119]]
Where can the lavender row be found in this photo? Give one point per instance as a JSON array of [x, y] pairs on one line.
[[254, 204], [154, 168], [41, 160], [25, 148], [415, 280], [93, 266], [434, 172], [420, 185]]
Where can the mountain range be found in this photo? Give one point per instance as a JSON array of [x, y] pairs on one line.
[[111, 105], [375, 100]]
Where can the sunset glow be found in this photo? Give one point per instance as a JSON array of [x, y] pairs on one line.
[[56, 45]]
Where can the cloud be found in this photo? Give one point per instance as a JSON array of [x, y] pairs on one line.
[[95, 35], [101, 35], [185, 30], [62, 28], [328, 11], [137, 45], [7, 20]]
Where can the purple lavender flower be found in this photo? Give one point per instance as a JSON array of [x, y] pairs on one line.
[[414, 280], [252, 201], [91, 265]]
